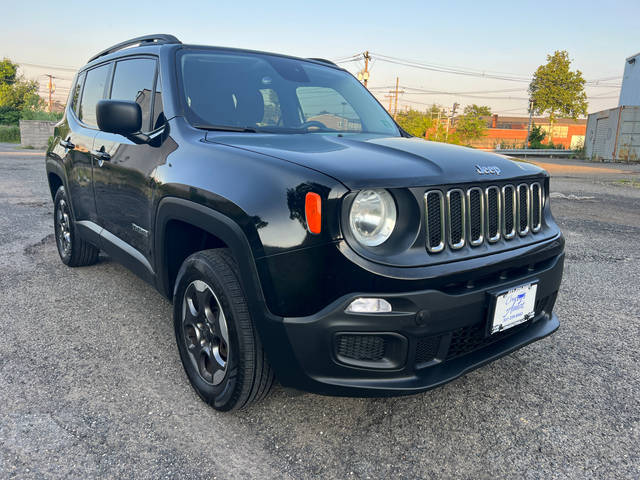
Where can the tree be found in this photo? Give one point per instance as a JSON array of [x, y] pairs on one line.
[[536, 137], [556, 89], [16, 94], [477, 110], [415, 123], [470, 125]]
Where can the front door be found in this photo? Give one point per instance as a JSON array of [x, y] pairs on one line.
[[123, 169]]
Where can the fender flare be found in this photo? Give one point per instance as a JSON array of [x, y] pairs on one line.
[[53, 166], [270, 327], [215, 223]]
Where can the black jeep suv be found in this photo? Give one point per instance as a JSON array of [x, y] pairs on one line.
[[298, 230]]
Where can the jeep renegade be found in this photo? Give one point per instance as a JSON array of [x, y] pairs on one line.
[[299, 232]]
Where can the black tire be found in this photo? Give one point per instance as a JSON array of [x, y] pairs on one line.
[[73, 250], [208, 283]]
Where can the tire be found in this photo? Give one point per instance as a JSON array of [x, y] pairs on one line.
[[73, 250], [218, 344]]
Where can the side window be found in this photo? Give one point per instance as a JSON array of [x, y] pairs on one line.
[[158, 111], [75, 93], [133, 80], [94, 87], [327, 106]]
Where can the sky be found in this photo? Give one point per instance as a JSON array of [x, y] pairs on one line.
[[511, 38]]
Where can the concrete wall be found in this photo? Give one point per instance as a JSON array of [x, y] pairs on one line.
[[35, 133]]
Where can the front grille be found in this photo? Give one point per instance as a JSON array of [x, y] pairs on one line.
[[476, 216], [523, 209], [435, 220], [361, 347], [536, 208], [457, 217], [493, 214]]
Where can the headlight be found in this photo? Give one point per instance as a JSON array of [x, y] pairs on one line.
[[372, 217]]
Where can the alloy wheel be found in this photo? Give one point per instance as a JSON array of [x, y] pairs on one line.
[[205, 332], [63, 234]]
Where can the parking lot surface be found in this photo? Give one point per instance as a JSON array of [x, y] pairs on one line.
[[91, 384]]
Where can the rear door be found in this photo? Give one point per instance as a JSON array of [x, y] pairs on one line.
[[123, 169], [78, 140]]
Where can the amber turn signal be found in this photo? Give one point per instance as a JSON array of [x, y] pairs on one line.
[[313, 212]]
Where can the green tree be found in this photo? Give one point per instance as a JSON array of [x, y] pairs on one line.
[[16, 94], [477, 110], [415, 123], [557, 90], [470, 125], [536, 137]]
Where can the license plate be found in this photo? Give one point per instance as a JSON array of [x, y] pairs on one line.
[[514, 307]]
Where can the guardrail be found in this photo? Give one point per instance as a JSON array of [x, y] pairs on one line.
[[535, 152]]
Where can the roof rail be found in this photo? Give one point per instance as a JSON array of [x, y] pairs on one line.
[[324, 60], [157, 39]]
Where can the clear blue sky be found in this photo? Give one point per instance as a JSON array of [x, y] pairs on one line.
[[512, 37]]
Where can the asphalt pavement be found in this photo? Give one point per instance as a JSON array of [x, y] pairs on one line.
[[91, 385]]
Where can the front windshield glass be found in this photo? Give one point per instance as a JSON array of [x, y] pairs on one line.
[[268, 93]]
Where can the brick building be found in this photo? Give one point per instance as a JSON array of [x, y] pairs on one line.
[[511, 132]]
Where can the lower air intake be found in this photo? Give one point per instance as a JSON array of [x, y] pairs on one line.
[[361, 347]]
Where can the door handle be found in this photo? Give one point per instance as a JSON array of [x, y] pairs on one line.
[[101, 156], [67, 144]]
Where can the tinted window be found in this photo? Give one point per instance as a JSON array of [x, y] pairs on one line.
[[93, 92], [133, 80], [75, 93], [276, 94], [325, 105]]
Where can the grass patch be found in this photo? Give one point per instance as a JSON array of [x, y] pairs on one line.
[[9, 133], [629, 183]]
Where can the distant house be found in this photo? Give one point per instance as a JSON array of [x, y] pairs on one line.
[[336, 122], [511, 132]]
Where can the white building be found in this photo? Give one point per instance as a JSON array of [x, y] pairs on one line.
[[614, 134]]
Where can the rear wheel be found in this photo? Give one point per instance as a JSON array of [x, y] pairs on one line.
[[73, 251], [219, 347]]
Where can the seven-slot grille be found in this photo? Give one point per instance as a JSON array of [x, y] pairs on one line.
[[457, 218]]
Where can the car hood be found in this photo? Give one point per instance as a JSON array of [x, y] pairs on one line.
[[360, 161]]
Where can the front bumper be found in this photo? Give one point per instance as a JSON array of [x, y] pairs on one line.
[[432, 336]]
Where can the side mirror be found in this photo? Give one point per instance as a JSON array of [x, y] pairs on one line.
[[119, 116]]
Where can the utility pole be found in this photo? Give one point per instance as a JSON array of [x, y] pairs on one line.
[[526, 142], [363, 75], [450, 119], [393, 96], [51, 88]]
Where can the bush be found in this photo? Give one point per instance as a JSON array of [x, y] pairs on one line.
[[9, 134], [9, 116], [28, 114]]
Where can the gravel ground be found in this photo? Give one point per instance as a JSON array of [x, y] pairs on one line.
[[91, 384]]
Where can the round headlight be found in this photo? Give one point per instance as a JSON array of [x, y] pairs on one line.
[[372, 217]]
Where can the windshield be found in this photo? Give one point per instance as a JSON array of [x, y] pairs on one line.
[[259, 92]]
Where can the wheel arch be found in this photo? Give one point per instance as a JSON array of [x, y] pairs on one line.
[[55, 177], [222, 232]]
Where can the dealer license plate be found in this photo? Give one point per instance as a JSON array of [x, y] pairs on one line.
[[514, 307]]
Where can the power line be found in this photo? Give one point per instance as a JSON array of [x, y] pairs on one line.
[[600, 82]]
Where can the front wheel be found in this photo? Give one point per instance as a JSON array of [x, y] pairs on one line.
[[219, 347]]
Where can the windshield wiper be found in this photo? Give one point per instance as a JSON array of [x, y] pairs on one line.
[[225, 128]]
